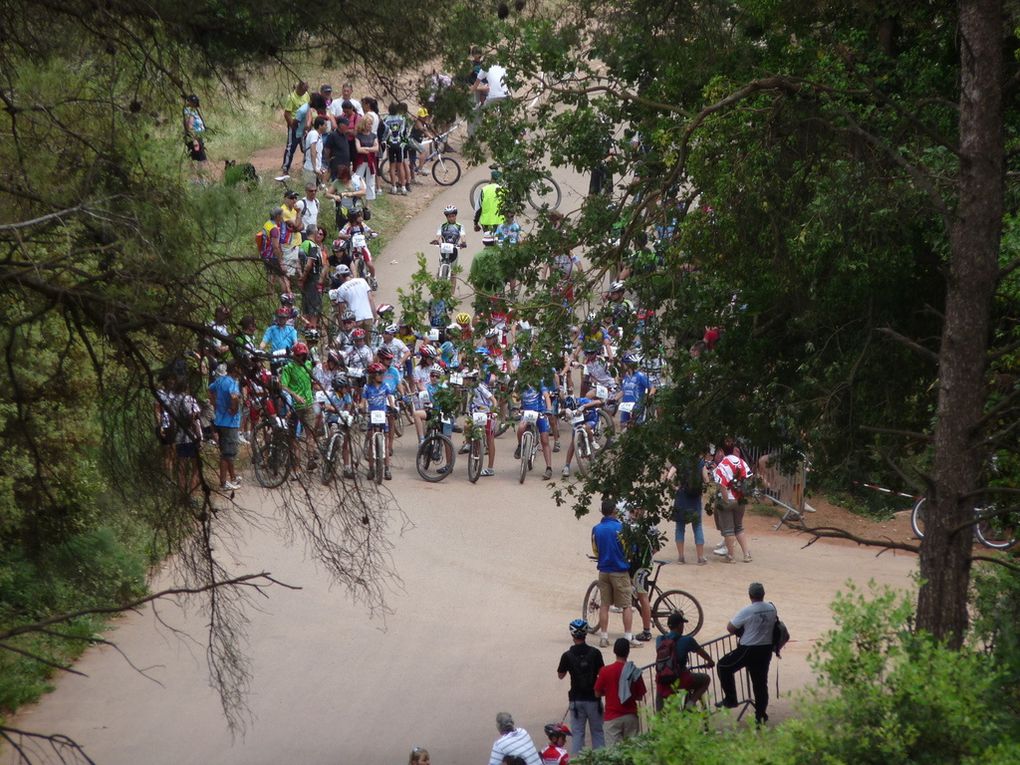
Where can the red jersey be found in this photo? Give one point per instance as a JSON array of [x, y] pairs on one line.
[[607, 685], [554, 755]]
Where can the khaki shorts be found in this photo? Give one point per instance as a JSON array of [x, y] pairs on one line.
[[731, 519], [615, 589]]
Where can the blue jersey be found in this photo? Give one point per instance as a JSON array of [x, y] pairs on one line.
[[635, 386], [279, 337], [591, 416], [376, 396], [391, 379], [533, 399], [450, 355], [607, 544]]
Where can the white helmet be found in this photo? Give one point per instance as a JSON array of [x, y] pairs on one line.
[[342, 270]]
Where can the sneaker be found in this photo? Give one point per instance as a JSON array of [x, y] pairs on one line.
[[702, 561], [747, 557], [643, 637], [232, 485], [547, 474], [566, 471], [405, 191], [556, 446], [634, 643], [488, 471], [603, 642], [464, 449], [387, 475], [720, 550], [225, 487], [370, 473], [729, 559], [282, 178], [517, 452], [242, 438], [724, 704]]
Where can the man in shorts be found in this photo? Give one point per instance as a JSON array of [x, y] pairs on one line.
[[614, 572], [225, 392], [695, 683]]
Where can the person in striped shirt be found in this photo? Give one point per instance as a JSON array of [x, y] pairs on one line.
[[513, 742]]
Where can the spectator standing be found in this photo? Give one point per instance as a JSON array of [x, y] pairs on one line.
[[309, 207], [194, 132], [366, 147], [290, 235], [583, 663], [347, 94], [313, 141], [513, 742], [753, 624], [395, 138], [311, 275], [674, 674], [621, 686], [187, 437], [687, 505], [614, 568], [489, 214], [729, 474], [357, 294], [226, 394], [291, 106]]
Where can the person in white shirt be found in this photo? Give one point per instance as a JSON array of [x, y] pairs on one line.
[[347, 94], [495, 77], [313, 151], [514, 741], [754, 625], [309, 207], [357, 294]]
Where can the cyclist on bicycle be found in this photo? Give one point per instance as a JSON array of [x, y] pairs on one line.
[[421, 378], [589, 407], [360, 355], [296, 382], [376, 397], [596, 372], [356, 225], [394, 383], [536, 400], [343, 341], [483, 400], [634, 389], [279, 335], [337, 410], [396, 346]]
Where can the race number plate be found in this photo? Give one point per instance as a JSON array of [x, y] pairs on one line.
[[423, 398], [377, 417], [577, 419], [584, 369], [601, 392], [530, 417], [480, 418], [456, 378], [627, 406]]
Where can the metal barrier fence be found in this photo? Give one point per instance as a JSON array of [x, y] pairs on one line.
[[785, 489], [716, 648]]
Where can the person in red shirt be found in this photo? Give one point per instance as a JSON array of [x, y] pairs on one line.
[[620, 719], [555, 754]]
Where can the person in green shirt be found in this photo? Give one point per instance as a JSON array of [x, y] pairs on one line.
[[296, 380], [297, 98], [489, 213]]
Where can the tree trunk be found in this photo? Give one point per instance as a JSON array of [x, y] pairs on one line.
[[973, 271]]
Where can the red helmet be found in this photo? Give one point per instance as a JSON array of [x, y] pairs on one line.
[[299, 349], [385, 353], [356, 333], [375, 367], [427, 352]]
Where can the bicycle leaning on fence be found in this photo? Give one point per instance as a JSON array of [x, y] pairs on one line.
[[664, 602]]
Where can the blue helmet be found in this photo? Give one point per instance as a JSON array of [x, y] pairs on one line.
[[571, 403], [483, 351], [578, 628]]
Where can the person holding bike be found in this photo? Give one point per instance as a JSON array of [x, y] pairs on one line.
[[614, 572], [489, 214], [536, 400], [634, 388], [360, 355], [356, 225], [483, 400], [394, 384], [376, 397], [589, 407], [451, 232], [296, 382]]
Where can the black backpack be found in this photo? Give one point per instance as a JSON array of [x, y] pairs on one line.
[[780, 635], [667, 664], [582, 670]]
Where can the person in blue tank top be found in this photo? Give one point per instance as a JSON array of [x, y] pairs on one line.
[[634, 388], [536, 399], [376, 397]]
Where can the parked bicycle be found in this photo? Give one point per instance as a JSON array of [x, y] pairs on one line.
[[993, 528], [543, 194], [663, 604]]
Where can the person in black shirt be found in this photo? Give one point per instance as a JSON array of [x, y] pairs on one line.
[[336, 149], [583, 662]]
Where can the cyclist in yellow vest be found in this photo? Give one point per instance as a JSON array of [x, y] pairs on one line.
[[488, 215]]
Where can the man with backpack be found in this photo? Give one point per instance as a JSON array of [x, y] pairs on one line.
[[671, 672], [755, 625], [395, 129], [583, 662]]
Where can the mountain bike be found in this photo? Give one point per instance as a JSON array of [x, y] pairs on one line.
[[529, 441], [335, 442], [436, 453], [584, 443], [663, 603], [994, 529], [543, 194], [445, 169], [272, 453], [447, 254], [477, 446], [376, 444]]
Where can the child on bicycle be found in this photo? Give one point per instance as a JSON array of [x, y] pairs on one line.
[[356, 225], [589, 407], [376, 397], [536, 400]]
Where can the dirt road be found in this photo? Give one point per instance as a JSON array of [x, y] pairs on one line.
[[491, 574]]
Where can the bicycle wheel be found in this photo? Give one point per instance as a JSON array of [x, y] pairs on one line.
[[545, 194], [476, 194], [475, 460], [995, 529], [445, 171], [271, 455], [605, 429], [435, 457], [685, 603], [526, 440], [397, 424], [582, 453], [333, 451], [917, 518], [590, 606], [378, 455], [444, 272]]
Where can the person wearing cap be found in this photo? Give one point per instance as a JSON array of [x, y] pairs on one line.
[[297, 98], [555, 753], [513, 742], [296, 380], [753, 624], [583, 663], [695, 683], [621, 686]]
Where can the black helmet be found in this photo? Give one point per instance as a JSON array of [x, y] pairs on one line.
[[578, 628], [556, 729]]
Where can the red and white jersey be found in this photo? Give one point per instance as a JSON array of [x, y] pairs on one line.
[[730, 469], [554, 755]]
